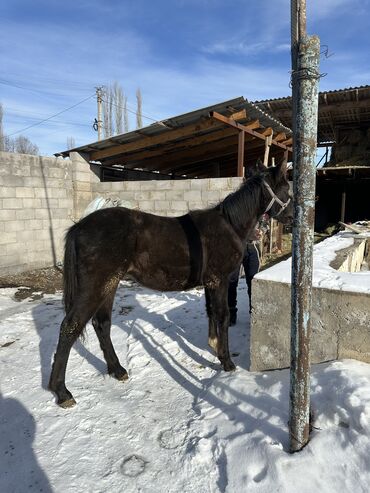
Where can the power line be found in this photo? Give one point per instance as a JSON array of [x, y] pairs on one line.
[[9, 83], [36, 118], [50, 117]]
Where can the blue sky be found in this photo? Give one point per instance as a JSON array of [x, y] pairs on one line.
[[183, 54]]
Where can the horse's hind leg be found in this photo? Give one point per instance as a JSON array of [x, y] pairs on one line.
[[102, 324], [83, 308], [212, 322], [70, 330]]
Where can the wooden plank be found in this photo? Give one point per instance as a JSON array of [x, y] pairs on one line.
[[178, 146], [154, 140], [281, 136], [204, 155], [288, 142], [350, 227], [239, 126], [267, 132], [343, 207], [241, 143], [240, 115], [134, 150]]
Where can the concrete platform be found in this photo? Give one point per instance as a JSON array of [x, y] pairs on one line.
[[340, 305]]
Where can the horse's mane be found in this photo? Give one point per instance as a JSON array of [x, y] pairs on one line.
[[243, 205]]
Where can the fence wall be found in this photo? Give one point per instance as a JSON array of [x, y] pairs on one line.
[[40, 197]]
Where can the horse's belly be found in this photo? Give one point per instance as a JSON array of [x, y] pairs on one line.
[[160, 280]]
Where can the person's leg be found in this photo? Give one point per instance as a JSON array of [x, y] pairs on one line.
[[251, 264], [232, 295]]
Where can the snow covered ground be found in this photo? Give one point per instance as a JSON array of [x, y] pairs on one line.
[[179, 424]]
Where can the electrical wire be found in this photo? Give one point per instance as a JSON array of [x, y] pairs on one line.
[[9, 83], [50, 117]]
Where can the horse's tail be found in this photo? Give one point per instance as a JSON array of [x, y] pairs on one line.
[[70, 268]]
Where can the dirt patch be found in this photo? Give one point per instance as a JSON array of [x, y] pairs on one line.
[[35, 283]]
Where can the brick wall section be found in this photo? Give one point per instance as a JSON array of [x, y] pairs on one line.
[[36, 206], [168, 197], [40, 197]]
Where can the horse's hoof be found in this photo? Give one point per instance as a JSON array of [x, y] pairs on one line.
[[120, 374], [122, 377], [67, 403], [229, 366]]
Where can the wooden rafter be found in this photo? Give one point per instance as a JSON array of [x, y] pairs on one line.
[[239, 126], [162, 138], [216, 151], [187, 144]]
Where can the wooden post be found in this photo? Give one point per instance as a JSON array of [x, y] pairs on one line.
[[343, 208], [268, 141], [279, 237], [271, 235], [216, 170], [241, 142]]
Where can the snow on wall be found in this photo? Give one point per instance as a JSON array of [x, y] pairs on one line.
[[324, 275]]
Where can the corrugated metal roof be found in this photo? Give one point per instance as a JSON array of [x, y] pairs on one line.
[[350, 107], [163, 126], [333, 94]]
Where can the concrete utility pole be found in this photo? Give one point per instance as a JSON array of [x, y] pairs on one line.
[[99, 121], [305, 76]]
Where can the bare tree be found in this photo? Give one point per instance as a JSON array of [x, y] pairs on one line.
[[2, 142], [71, 143], [113, 109], [126, 124], [118, 107], [139, 115], [19, 144], [24, 146], [107, 112]]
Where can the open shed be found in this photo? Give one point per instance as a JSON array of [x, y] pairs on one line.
[[216, 141], [342, 183], [340, 112]]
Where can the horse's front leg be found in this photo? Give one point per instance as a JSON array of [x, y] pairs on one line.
[[218, 301], [212, 322]]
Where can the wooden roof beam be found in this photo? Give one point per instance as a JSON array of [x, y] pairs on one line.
[[244, 128], [173, 147], [281, 136], [184, 163], [239, 115], [158, 139], [218, 147]]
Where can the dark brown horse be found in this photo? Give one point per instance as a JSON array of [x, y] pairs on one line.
[[168, 254]]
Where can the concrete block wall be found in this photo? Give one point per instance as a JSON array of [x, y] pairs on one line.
[[340, 317], [168, 197], [36, 207], [340, 325], [161, 197], [41, 197]]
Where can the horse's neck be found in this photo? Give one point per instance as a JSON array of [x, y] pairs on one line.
[[245, 220]]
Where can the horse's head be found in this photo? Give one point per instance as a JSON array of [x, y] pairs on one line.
[[276, 192]]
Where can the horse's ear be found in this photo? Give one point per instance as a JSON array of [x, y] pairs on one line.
[[250, 171], [260, 166], [282, 166]]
